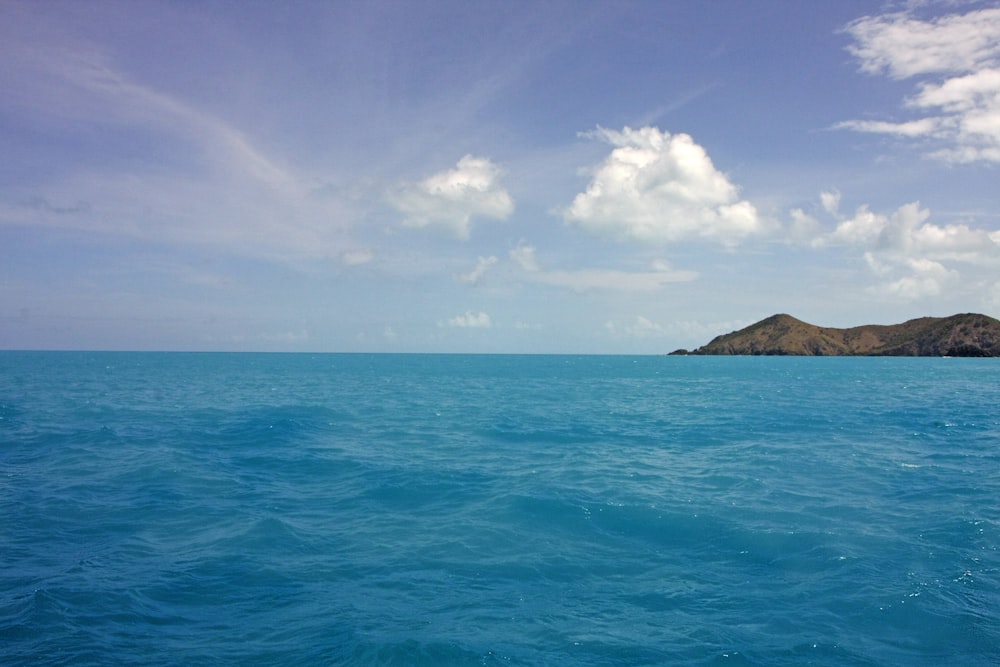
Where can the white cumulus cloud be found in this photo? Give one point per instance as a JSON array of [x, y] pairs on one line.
[[907, 233], [450, 199], [924, 278], [908, 254], [864, 229], [656, 187], [957, 58]]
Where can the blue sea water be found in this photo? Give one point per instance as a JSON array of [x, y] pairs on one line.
[[210, 509]]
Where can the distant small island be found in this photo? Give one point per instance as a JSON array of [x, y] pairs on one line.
[[963, 335]]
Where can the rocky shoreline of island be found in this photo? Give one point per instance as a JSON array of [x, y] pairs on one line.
[[962, 335]]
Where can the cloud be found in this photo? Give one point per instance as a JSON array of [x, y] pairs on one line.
[[906, 233], [925, 278], [960, 104], [864, 229], [357, 257], [925, 127], [237, 217], [470, 320], [993, 296], [830, 202], [483, 264], [86, 84], [191, 176], [642, 327], [525, 257], [902, 46], [657, 188], [906, 252], [450, 199], [524, 326], [804, 228], [583, 280]]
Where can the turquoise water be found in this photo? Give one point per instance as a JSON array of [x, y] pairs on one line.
[[208, 509]]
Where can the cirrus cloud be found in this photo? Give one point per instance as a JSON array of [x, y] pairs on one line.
[[655, 187]]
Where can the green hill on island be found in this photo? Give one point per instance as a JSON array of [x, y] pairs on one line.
[[964, 335]]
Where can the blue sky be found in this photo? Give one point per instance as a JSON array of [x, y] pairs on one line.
[[608, 177]]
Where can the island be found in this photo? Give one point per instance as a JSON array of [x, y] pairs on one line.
[[962, 335]]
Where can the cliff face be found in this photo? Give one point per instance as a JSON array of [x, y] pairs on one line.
[[965, 335]]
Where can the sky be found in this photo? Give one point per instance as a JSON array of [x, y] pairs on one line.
[[490, 177]]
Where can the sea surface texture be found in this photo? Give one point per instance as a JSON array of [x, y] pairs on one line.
[[217, 509]]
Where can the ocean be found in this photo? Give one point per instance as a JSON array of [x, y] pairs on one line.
[[353, 509]]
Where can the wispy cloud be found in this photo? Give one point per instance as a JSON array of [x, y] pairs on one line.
[[207, 183], [679, 102], [583, 280], [473, 277], [357, 257], [958, 59], [903, 46], [82, 83]]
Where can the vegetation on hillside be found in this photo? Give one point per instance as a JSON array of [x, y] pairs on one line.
[[963, 335]]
